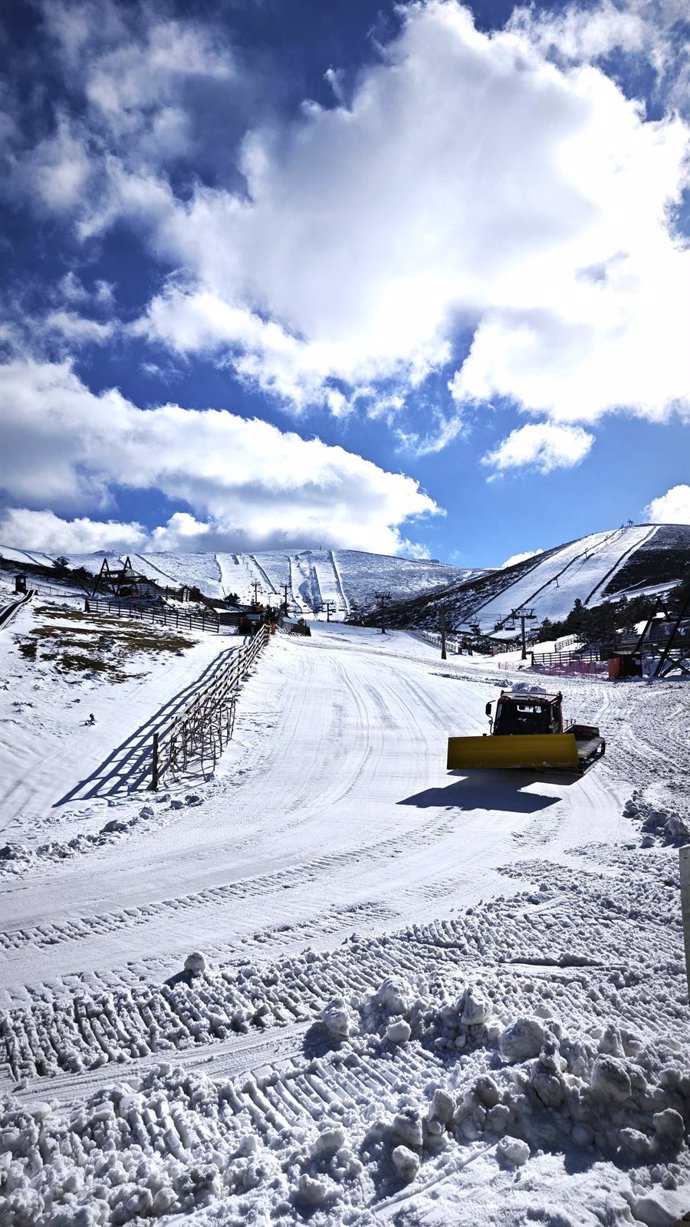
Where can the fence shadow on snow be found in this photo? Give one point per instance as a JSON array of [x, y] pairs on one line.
[[128, 768]]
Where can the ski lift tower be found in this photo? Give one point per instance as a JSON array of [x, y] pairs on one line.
[[522, 616]]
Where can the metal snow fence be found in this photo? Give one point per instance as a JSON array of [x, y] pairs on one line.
[[161, 615], [204, 726], [553, 660]]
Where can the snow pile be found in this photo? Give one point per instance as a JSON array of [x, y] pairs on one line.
[[176, 1143], [659, 822], [605, 1088], [343, 1129]]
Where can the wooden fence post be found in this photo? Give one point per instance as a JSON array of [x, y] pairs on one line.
[[154, 771]]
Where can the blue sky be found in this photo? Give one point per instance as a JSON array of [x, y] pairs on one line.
[[409, 278]]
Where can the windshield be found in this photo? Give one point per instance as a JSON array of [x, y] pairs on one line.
[[522, 718]]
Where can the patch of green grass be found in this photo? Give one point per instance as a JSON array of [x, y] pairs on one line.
[[78, 662]]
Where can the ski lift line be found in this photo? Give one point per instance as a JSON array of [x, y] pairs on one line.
[[264, 574], [587, 551], [528, 570], [316, 594], [617, 565], [297, 598], [169, 578]]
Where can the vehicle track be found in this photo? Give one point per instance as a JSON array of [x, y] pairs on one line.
[[536, 934]]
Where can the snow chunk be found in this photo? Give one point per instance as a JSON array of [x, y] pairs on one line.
[[476, 1008], [406, 1163], [315, 1190], [521, 1040], [610, 1079], [513, 1151], [654, 1211], [195, 963], [407, 1125], [394, 995], [338, 1020], [442, 1106], [398, 1032], [669, 1126]]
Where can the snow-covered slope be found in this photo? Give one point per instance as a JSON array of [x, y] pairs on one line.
[[577, 571], [411, 998], [310, 578], [593, 569]]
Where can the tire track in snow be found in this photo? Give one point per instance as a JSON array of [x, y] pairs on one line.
[[530, 942], [81, 928]]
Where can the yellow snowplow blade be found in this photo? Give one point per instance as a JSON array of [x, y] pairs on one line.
[[554, 751]]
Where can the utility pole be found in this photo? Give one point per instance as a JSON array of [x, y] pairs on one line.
[[329, 606], [443, 635], [285, 600], [382, 597], [255, 586]]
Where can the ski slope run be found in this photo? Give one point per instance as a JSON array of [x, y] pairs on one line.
[[578, 571]]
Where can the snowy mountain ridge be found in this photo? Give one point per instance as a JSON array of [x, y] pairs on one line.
[[345, 579], [600, 566]]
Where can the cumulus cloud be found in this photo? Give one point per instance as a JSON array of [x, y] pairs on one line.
[[498, 186], [25, 528], [245, 481], [541, 446], [673, 507], [470, 179], [514, 558]]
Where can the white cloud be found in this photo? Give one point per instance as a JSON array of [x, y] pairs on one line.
[[541, 446], [57, 174], [579, 34], [77, 328], [245, 481], [497, 184], [65, 321], [470, 179], [133, 65], [673, 507], [514, 558], [24, 528]]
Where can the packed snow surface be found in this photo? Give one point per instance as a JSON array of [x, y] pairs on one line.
[[334, 983]]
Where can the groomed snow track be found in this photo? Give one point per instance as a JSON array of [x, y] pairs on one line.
[[350, 1048]]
